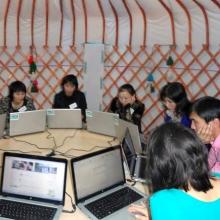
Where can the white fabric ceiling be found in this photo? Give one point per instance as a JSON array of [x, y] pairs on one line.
[[23, 22]]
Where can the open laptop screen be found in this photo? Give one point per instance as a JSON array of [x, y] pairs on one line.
[[129, 151], [96, 172], [34, 177], [129, 146]]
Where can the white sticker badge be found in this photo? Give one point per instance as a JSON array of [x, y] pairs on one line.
[[22, 109], [131, 111], [73, 105]]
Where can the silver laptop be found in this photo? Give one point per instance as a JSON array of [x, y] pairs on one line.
[[99, 185], [121, 127], [2, 124], [64, 118], [34, 185], [27, 122], [135, 163], [101, 122]]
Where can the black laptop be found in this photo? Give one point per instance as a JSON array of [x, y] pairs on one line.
[[135, 162]]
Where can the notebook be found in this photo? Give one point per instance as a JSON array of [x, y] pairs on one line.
[[101, 122], [27, 122], [64, 118], [99, 185], [135, 163], [32, 183]]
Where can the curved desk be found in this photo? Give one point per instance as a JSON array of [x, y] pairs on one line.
[[70, 142]]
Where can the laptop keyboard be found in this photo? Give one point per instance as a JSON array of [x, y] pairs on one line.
[[113, 202], [24, 211]]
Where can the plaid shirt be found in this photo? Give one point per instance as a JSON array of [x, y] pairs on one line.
[[214, 156], [6, 107]]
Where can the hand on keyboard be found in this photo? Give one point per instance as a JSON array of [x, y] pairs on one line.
[[139, 211]]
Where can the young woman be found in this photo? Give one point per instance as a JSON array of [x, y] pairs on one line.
[[16, 101], [176, 104], [127, 105], [178, 172], [70, 96]]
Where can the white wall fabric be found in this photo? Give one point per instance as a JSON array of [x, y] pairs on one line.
[[158, 22]]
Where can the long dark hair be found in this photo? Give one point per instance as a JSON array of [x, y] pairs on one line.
[[176, 92], [176, 159]]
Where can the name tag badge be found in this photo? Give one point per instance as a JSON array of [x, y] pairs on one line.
[[14, 116], [50, 112], [22, 109], [131, 111], [73, 105], [89, 114]]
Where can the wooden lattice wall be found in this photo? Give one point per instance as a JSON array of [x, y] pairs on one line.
[[52, 65], [197, 68]]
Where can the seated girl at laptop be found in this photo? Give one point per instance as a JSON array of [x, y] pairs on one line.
[[176, 104], [127, 105], [70, 96], [178, 171], [16, 101]]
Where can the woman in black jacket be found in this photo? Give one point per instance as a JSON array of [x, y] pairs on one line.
[[70, 96], [127, 105]]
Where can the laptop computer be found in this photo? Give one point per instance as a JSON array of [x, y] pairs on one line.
[[121, 127], [135, 163], [32, 187], [2, 124], [64, 118], [99, 185], [27, 122], [101, 122]]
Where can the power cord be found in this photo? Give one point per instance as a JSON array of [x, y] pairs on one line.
[[67, 137], [54, 150], [64, 140], [73, 205], [34, 145], [55, 147], [77, 149]]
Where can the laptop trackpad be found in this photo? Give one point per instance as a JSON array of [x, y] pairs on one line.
[[120, 215]]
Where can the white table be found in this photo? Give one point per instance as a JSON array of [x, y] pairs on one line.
[[79, 142]]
